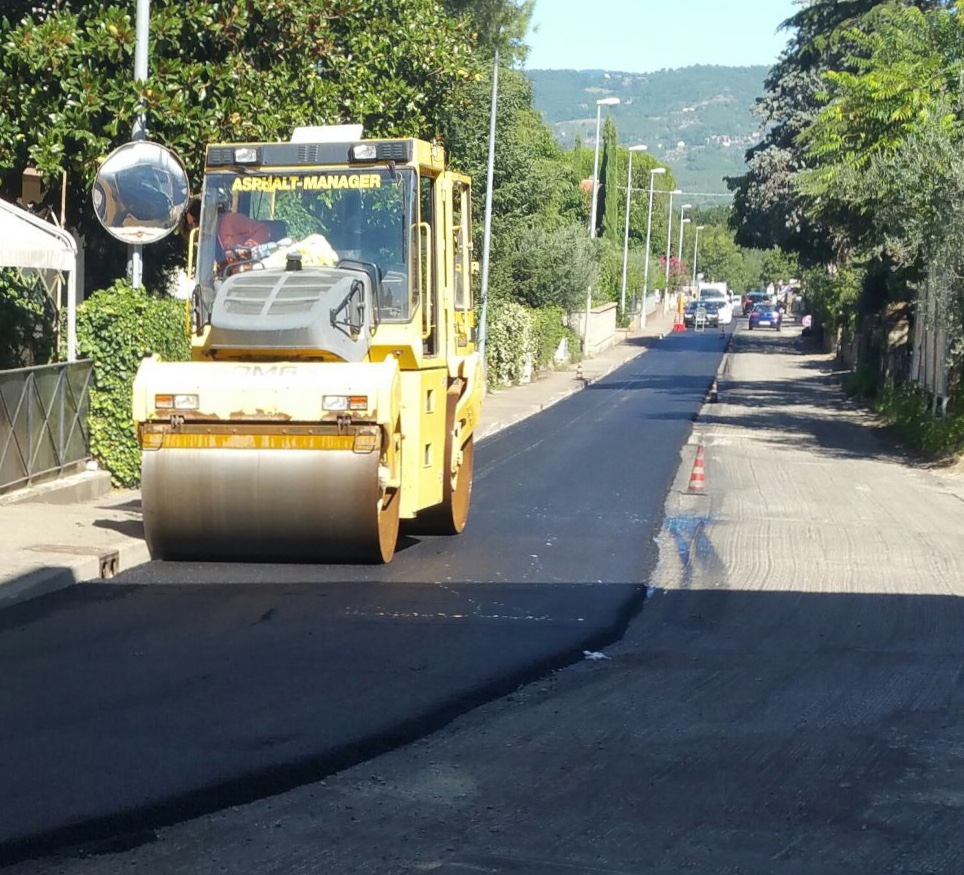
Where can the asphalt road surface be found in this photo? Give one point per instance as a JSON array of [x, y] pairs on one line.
[[179, 689], [789, 700]]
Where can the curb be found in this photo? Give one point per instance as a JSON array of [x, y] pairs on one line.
[[99, 565]]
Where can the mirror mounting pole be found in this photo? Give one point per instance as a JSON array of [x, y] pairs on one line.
[[136, 251]]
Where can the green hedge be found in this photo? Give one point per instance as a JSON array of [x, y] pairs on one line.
[[547, 332], [117, 327], [517, 335]]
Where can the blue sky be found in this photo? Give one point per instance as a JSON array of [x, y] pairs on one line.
[[641, 36]]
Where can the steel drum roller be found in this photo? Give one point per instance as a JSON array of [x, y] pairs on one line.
[[266, 504]]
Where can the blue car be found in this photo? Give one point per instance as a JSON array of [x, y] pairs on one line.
[[765, 315]]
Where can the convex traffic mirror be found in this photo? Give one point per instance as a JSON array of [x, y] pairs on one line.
[[141, 192]]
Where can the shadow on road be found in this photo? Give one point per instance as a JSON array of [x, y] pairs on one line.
[[128, 707], [732, 728]]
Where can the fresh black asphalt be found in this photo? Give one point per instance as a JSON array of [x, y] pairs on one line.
[[183, 688]]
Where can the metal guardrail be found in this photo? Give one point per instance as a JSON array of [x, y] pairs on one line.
[[43, 421]]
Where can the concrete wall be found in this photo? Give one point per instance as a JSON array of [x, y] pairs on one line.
[[602, 328]]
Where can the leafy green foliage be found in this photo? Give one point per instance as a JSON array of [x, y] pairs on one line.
[[531, 173], [777, 265], [28, 323], [548, 331], [498, 24], [524, 340], [720, 260], [547, 268], [906, 409], [860, 172], [609, 286], [117, 327], [219, 70], [904, 63], [833, 296], [509, 342]]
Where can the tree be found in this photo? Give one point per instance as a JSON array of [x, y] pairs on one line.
[[549, 268], [720, 260], [219, 70], [498, 24], [612, 184], [778, 265], [903, 79], [530, 170]]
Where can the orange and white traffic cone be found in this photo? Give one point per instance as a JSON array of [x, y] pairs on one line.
[[697, 480]]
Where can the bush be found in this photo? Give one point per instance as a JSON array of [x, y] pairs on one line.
[[905, 408], [28, 323], [508, 343], [116, 328], [519, 337], [548, 331]]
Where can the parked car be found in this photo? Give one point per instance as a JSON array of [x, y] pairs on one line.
[[765, 315], [750, 299], [722, 301], [712, 309]]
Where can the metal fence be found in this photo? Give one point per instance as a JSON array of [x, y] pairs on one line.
[[43, 421]]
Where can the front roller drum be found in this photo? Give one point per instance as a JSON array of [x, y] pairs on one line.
[[267, 505]]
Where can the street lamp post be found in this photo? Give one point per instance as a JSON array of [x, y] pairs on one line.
[[696, 242], [629, 188], [487, 231], [649, 231], [669, 243], [682, 221], [682, 224], [605, 101]]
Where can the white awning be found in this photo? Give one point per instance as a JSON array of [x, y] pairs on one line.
[[27, 242]]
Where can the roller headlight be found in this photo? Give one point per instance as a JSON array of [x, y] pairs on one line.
[[364, 152], [176, 402], [335, 403], [247, 155]]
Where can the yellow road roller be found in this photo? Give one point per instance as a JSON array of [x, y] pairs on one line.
[[334, 387]]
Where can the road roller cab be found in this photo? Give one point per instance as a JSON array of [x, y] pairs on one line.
[[334, 387]]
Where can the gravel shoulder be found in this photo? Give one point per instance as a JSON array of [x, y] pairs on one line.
[[789, 699]]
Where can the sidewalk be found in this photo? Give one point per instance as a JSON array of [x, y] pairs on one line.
[[47, 544]]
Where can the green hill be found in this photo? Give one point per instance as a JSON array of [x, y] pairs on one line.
[[698, 119]]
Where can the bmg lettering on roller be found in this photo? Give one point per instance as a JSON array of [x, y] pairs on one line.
[[318, 182]]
